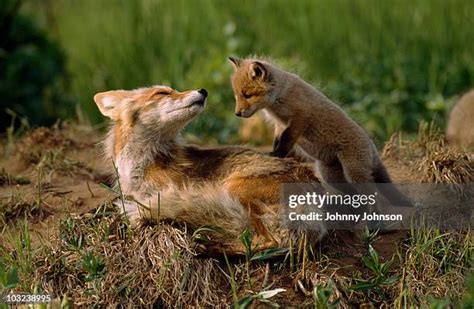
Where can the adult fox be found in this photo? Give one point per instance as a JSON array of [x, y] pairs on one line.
[[230, 188]]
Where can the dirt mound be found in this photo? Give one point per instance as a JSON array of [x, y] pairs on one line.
[[47, 138], [447, 166], [428, 159], [97, 254]]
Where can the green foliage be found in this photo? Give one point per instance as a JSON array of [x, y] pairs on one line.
[[269, 254], [93, 266], [440, 304], [389, 63], [443, 247], [8, 280], [71, 236], [233, 283], [380, 273], [468, 300], [31, 70], [8, 277], [322, 294], [16, 258], [246, 240], [251, 256], [369, 237]]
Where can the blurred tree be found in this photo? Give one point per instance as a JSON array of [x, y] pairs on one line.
[[32, 71]]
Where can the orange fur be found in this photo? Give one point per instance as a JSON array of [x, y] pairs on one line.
[[233, 188]]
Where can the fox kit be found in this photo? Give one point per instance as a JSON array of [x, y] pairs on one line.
[[461, 122], [231, 188], [305, 117]]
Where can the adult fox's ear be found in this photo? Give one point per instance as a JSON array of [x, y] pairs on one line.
[[258, 71], [110, 102], [236, 62]]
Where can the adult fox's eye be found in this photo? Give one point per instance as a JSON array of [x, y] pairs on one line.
[[162, 91]]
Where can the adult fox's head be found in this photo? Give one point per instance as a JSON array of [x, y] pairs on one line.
[[157, 112], [254, 86]]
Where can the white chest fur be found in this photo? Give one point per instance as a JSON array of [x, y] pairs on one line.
[[124, 168], [272, 118]]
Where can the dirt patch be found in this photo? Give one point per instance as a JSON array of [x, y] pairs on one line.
[[49, 173]]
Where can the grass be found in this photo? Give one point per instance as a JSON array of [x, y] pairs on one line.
[[160, 262], [322, 294], [9, 179], [446, 256], [379, 273], [15, 205], [97, 258], [389, 63], [18, 254]]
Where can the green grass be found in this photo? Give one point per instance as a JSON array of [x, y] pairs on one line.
[[390, 63]]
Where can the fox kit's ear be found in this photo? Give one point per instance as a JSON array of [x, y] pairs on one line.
[[236, 62], [257, 71], [109, 102]]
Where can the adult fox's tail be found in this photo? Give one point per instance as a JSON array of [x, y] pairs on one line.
[[206, 205]]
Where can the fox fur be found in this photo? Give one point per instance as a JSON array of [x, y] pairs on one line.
[[304, 117], [460, 130], [229, 188]]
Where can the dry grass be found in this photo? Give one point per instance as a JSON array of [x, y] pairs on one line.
[[7, 179], [435, 265], [159, 265], [431, 160], [95, 258], [154, 265], [15, 207], [447, 166], [49, 149]]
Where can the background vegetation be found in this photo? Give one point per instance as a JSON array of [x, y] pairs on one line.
[[32, 70], [389, 63]]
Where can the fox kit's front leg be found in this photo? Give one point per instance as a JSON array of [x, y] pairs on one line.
[[283, 143], [276, 136]]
